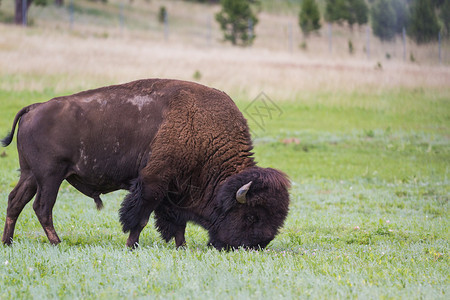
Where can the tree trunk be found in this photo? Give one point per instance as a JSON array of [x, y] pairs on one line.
[[20, 17], [59, 2]]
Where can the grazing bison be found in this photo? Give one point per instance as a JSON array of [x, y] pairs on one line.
[[183, 151]]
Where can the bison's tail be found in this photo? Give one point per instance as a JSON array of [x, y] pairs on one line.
[[8, 139], [130, 209]]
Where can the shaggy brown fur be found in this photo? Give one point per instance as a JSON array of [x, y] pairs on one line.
[[182, 149]]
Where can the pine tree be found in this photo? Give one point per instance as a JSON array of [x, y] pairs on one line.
[[335, 11], [358, 12], [383, 19], [350, 11], [309, 17], [424, 25], [235, 19]]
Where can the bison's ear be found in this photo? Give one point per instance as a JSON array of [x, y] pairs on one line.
[[242, 192]]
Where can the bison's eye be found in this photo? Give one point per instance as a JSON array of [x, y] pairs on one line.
[[252, 219]]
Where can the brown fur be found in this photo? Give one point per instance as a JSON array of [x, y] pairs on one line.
[[182, 149]]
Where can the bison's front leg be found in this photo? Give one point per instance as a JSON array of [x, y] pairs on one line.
[[137, 206], [170, 225]]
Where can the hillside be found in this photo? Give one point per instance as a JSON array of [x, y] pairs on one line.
[[194, 24], [110, 43]]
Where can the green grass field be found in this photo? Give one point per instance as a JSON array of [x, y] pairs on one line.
[[369, 216], [365, 142]]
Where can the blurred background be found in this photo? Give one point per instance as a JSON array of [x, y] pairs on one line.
[[282, 47]]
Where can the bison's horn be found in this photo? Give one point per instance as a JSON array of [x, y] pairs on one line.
[[242, 192]]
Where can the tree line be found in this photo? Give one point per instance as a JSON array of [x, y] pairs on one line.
[[422, 20]]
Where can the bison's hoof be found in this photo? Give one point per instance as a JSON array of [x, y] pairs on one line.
[[7, 241], [182, 246], [132, 245]]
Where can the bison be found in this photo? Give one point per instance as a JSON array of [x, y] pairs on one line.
[[181, 149]]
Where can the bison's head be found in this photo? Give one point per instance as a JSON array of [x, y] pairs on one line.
[[251, 206]]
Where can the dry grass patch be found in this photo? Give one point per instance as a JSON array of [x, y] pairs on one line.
[[37, 59]]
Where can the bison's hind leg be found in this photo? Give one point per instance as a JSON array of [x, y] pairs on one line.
[[17, 199], [47, 192]]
